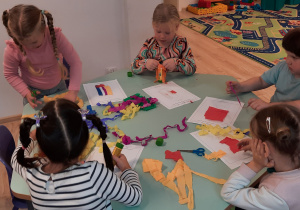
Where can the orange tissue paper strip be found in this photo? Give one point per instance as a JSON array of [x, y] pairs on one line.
[[182, 173], [215, 155]]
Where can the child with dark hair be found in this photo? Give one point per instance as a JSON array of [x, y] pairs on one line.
[[58, 180], [37, 50], [166, 47], [285, 76], [276, 143]]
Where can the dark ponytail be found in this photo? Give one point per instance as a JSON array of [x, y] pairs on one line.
[[25, 140], [106, 151]]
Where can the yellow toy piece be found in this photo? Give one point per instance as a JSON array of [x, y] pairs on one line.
[[218, 8]]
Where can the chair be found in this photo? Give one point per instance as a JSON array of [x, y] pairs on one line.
[[6, 150]]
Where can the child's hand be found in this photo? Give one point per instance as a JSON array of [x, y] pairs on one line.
[[32, 99], [151, 64], [170, 65], [33, 134], [233, 87], [257, 104], [245, 144], [71, 95], [260, 156], [121, 162]]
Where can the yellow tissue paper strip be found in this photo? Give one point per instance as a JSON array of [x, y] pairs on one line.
[[218, 131], [182, 173], [215, 155], [79, 101]]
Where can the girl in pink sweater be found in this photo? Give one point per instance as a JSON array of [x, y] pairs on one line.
[[33, 57]]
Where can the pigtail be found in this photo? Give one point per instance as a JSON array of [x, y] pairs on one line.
[[25, 140], [106, 151], [63, 69]]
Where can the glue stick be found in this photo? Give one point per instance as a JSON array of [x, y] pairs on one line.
[[117, 150]]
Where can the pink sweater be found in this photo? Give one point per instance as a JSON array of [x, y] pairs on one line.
[[41, 58]]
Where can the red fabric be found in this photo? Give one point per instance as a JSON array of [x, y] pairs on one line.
[[232, 143], [213, 113], [173, 155]]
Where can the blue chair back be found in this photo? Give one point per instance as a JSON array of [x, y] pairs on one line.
[[6, 150]]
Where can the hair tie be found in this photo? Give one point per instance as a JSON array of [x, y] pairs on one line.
[[268, 124], [38, 117], [83, 113], [43, 12], [23, 148]]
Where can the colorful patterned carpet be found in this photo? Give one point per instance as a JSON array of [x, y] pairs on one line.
[[255, 34]]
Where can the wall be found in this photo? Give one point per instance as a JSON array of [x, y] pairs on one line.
[[104, 33]]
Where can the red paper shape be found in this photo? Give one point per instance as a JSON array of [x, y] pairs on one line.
[[232, 143], [173, 91], [213, 113], [173, 155]]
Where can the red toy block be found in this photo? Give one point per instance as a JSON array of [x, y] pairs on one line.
[[204, 4]]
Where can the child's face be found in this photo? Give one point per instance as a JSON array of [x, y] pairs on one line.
[[35, 40], [164, 33], [293, 62]]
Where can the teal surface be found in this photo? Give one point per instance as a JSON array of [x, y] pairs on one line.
[[155, 195]]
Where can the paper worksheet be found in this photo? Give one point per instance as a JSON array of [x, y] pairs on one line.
[[212, 143], [131, 151], [103, 92], [171, 95], [233, 108]]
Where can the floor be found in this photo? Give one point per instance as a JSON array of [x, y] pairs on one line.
[[210, 58]]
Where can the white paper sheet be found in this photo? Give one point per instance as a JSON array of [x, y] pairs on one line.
[[171, 95], [212, 142], [131, 151], [118, 93], [233, 107]]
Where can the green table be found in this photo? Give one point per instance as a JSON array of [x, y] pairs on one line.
[[155, 195]]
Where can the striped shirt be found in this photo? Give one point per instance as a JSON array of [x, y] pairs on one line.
[[82, 186], [178, 50]]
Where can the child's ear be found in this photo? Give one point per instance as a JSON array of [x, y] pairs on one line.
[[267, 149], [177, 26]]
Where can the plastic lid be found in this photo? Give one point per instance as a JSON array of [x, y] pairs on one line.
[[119, 145]]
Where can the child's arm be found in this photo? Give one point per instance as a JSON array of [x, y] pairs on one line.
[[255, 83], [236, 192], [126, 189], [184, 62], [72, 57], [11, 68], [142, 62]]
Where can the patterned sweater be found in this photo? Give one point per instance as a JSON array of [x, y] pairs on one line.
[[178, 50]]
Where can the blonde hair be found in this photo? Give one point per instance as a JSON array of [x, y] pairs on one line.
[[164, 13], [21, 21]]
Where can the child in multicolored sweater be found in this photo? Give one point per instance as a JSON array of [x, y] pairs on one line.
[[166, 47]]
